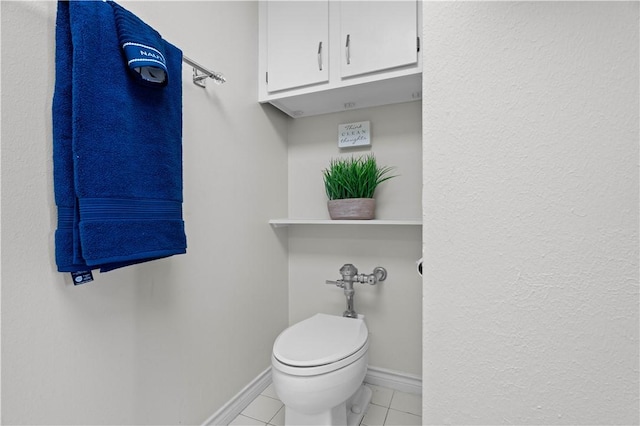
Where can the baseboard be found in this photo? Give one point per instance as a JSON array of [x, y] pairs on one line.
[[394, 379], [375, 376], [240, 401]]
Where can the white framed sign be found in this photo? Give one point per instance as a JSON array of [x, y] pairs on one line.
[[354, 134]]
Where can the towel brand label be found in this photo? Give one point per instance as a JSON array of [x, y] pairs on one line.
[[140, 55], [81, 277], [151, 55]]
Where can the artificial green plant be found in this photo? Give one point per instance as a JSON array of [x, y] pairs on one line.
[[354, 177]]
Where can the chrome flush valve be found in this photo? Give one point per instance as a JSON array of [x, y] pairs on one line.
[[349, 276]]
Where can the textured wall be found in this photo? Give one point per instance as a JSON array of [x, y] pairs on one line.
[[170, 341], [316, 253], [531, 213]]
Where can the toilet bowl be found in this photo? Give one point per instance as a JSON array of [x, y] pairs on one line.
[[318, 366]]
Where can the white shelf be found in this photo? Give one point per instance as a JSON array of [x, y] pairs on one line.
[[276, 223]]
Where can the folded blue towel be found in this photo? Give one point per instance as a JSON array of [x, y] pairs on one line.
[[117, 135], [142, 46]]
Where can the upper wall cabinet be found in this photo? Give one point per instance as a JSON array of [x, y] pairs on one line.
[[377, 36], [297, 43], [326, 56]]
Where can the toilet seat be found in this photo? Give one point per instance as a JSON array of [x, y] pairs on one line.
[[320, 344]]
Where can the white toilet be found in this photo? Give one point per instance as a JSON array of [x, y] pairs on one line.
[[318, 367]]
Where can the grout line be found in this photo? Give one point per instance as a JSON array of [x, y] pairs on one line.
[[274, 416], [270, 397], [386, 414], [253, 418], [393, 395]]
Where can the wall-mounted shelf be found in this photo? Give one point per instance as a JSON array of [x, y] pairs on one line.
[[276, 223]]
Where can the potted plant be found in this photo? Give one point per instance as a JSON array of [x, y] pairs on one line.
[[350, 184]]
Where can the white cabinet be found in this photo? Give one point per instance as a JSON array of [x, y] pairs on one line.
[[297, 42], [377, 36], [326, 56]]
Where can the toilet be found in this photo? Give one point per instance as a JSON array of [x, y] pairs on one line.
[[318, 368]]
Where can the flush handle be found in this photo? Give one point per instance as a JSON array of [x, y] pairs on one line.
[[339, 283], [348, 49]]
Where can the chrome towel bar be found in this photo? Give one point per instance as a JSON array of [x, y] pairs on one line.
[[199, 79]]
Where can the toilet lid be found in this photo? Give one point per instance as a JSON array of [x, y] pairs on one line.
[[319, 340]]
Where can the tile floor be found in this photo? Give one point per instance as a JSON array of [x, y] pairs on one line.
[[388, 408]]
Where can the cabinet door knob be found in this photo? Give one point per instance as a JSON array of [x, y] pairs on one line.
[[347, 49], [320, 56]]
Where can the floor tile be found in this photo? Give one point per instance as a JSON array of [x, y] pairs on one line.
[[375, 415], [278, 419], [262, 408], [398, 418], [245, 421], [388, 407], [407, 402], [381, 396], [270, 392]]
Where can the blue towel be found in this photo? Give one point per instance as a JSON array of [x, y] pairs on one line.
[[117, 136]]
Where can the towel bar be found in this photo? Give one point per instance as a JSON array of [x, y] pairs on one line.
[[198, 79]]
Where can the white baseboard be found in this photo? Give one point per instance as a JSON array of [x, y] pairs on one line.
[[375, 376], [394, 379], [240, 401]]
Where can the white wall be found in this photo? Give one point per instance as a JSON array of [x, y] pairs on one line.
[[531, 213], [170, 341], [316, 253]]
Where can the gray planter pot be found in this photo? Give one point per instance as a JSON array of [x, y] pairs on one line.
[[352, 208]]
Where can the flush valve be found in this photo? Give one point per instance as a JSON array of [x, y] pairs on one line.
[[349, 276]]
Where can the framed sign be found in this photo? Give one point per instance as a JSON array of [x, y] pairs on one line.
[[354, 134]]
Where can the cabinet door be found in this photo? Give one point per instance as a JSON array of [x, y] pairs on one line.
[[377, 35], [297, 44]]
